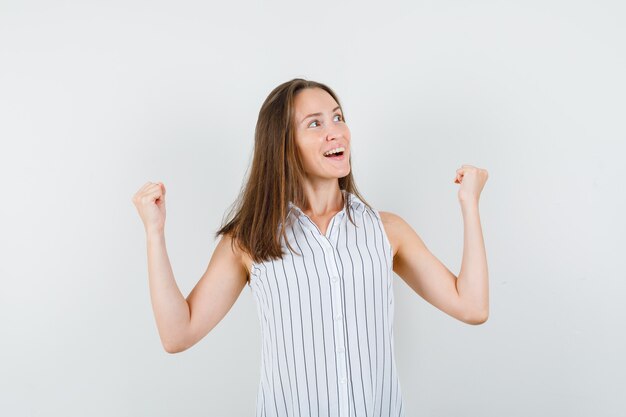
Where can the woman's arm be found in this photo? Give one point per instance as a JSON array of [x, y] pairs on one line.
[[422, 271], [473, 283], [169, 306], [183, 322], [465, 297]]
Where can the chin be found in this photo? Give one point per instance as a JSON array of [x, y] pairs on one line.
[[345, 173]]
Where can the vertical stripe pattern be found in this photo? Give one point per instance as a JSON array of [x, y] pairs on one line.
[[327, 320]]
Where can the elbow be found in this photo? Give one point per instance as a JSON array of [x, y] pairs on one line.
[[181, 343], [173, 347], [476, 318], [480, 319]]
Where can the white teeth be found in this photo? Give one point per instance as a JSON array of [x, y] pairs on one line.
[[336, 150]]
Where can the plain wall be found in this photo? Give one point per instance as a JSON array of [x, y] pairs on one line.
[[97, 98]]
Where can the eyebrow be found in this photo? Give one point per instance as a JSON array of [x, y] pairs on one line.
[[315, 114]]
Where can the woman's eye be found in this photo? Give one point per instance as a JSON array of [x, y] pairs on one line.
[[317, 121]]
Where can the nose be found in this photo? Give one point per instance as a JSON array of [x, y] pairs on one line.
[[333, 133]]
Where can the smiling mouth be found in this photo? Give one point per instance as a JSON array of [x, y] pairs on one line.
[[334, 154], [339, 156]]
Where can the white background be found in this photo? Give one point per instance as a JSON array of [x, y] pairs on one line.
[[97, 98]]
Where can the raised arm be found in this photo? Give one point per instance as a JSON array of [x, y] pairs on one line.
[[465, 297], [183, 322]]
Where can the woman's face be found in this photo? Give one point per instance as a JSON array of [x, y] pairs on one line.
[[319, 127]]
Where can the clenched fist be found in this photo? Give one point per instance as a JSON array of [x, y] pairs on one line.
[[472, 180], [150, 203]]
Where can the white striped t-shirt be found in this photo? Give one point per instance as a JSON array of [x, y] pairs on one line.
[[327, 320]]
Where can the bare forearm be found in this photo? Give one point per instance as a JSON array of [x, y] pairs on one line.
[[170, 307], [473, 282]]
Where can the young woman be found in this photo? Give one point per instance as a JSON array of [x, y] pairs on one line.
[[319, 260]]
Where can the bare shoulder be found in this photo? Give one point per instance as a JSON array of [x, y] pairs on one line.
[[394, 226], [407, 245]]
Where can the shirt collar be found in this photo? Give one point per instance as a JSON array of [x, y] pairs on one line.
[[353, 201]]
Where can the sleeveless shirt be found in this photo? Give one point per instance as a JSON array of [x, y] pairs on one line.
[[326, 316]]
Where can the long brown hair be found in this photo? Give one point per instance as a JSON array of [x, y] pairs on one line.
[[275, 178]]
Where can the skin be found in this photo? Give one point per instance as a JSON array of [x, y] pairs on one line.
[[465, 297], [314, 136]]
